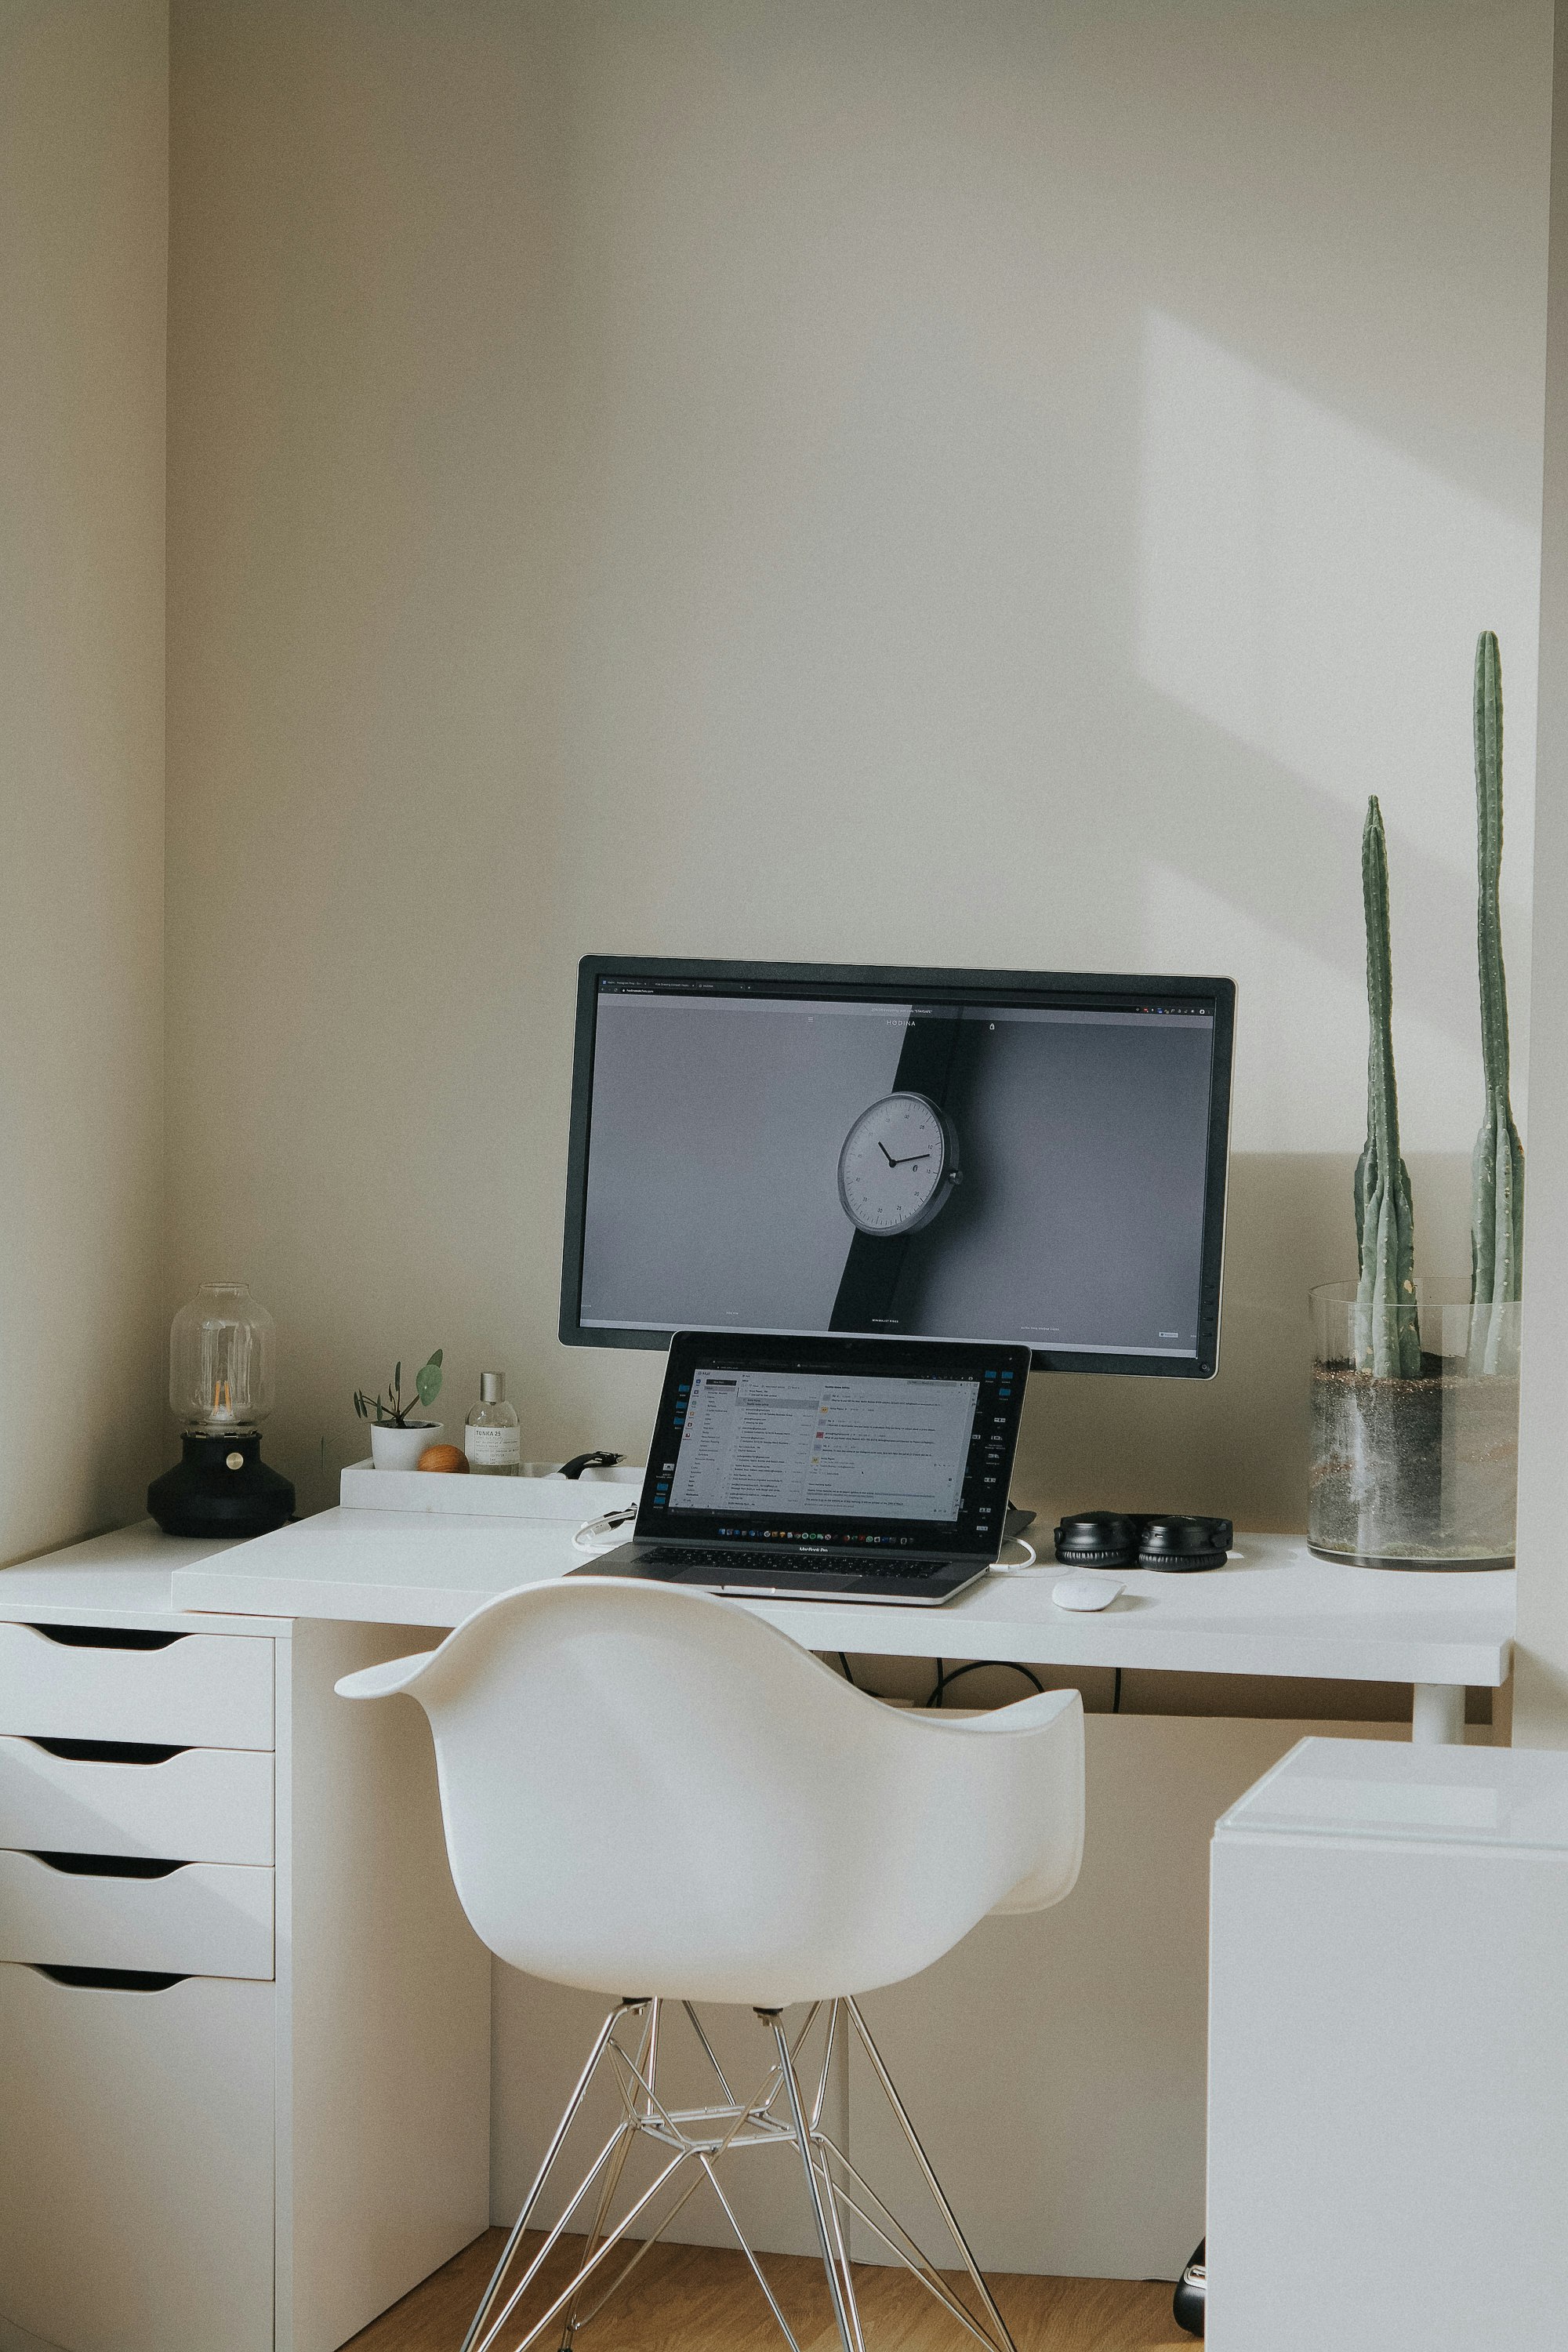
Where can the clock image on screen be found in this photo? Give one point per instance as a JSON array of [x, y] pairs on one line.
[[897, 1165]]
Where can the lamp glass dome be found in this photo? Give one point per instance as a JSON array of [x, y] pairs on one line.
[[223, 1348]]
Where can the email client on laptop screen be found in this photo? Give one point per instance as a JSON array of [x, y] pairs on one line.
[[874, 1469]]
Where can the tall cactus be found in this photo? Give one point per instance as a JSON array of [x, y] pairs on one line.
[[1497, 1166], [1387, 1330]]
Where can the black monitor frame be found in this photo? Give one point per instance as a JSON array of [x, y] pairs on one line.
[[915, 985]]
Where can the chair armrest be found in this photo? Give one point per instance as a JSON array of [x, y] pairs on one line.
[[384, 1680]]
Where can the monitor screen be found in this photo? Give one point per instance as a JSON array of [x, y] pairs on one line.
[[981, 1156]]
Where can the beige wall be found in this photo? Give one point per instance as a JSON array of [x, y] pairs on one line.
[[1541, 1713], [993, 486], [83, 186]]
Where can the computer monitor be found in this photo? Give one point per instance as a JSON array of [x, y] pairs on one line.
[[1036, 1157]]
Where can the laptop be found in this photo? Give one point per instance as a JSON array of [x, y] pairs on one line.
[[826, 1468]]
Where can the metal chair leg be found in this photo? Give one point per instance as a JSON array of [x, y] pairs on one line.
[[649, 2058], [928, 2176], [515, 2238], [695, 2141], [802, 2136]]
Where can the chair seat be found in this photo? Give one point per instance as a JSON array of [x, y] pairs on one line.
[[650, 1788]]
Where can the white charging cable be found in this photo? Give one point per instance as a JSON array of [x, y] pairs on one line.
[[1022, 1567], [606, 1528]]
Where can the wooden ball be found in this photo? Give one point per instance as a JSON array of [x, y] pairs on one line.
[[443, 1457]]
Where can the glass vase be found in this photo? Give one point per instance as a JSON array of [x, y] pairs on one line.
[[1418, 1472]]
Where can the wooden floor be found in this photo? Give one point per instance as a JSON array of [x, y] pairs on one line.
[[694, 2299]]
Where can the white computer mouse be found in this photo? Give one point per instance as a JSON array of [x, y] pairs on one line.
[[1084, 1591]]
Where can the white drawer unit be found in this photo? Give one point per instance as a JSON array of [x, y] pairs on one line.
[[195, 1690], [220, 2130], [136, 2159], [202, 1919], [185, 1804]]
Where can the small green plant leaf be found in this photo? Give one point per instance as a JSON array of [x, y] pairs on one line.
[[428, 1379]]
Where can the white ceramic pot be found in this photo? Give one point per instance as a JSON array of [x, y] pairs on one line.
[[399, 1449]]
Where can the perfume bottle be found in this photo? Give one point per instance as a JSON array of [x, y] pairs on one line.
[[490, 1436]]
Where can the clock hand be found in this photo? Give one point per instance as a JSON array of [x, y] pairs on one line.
[[885, 1154], [909, 1158]]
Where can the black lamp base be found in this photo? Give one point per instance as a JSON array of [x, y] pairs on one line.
[[221, 1487]]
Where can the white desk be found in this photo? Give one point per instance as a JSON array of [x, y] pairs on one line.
[[368, 2038], [1274, 1610]]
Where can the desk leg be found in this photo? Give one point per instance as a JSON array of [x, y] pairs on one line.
[[1437, 1716]]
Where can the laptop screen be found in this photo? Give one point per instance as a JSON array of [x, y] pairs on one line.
[[854, 1445]]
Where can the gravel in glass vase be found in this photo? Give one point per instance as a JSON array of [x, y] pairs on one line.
[[1417, 1470]]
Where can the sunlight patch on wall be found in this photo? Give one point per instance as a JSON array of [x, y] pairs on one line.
[[1301, 1033], [1317, 594]]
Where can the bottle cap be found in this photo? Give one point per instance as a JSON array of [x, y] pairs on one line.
[[492, 1388]]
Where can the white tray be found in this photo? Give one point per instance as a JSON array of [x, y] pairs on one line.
[[535, 1495]]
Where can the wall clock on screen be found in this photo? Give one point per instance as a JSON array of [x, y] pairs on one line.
[[897, 1165]]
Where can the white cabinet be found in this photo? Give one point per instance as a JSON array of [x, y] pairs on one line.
[[136, 2197], [1388, 2059], [138, 2141], [244, 2026]]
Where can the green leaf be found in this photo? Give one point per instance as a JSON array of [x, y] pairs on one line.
[[428, 1379]]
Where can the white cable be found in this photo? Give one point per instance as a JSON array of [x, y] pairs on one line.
[[607, 1527], [1023, 1567]]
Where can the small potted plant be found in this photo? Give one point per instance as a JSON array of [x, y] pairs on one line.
[[397, 1439]]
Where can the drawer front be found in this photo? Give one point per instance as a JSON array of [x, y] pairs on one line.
[[208, 1920], [206, 1804], [136, 2198], [206, 1690]]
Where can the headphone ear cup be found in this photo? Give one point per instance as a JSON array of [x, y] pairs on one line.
[[1097, 1540], [1177, 1540]]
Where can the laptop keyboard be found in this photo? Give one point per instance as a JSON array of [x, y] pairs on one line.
[[754, 1564]]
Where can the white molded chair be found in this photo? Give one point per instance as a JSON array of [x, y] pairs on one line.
[[652, 1794]]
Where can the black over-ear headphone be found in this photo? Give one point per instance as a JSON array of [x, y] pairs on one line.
[[1168, 1539]]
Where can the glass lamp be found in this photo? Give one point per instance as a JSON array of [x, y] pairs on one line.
[[222, 1346]]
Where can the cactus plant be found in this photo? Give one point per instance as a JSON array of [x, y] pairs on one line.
[[1497, 1167], [1387, 1327], [1414, 1453]]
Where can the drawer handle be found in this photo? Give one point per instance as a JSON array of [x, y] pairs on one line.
[[108, 1637], [105, 1866], [108, 1980], [106, 1751]]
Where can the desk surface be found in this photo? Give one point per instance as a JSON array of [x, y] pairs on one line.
[[119, 1579], [1274, 1610]]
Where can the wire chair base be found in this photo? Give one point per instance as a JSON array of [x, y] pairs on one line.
[[788, 2108]]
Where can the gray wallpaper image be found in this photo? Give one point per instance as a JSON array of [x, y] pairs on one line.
[[713, 1196], [713, 1158], [1078, 1223]]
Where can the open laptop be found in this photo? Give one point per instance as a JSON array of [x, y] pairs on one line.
[[826, 1468]]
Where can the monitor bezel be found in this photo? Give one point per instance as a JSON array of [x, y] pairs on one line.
[[914, 983]]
